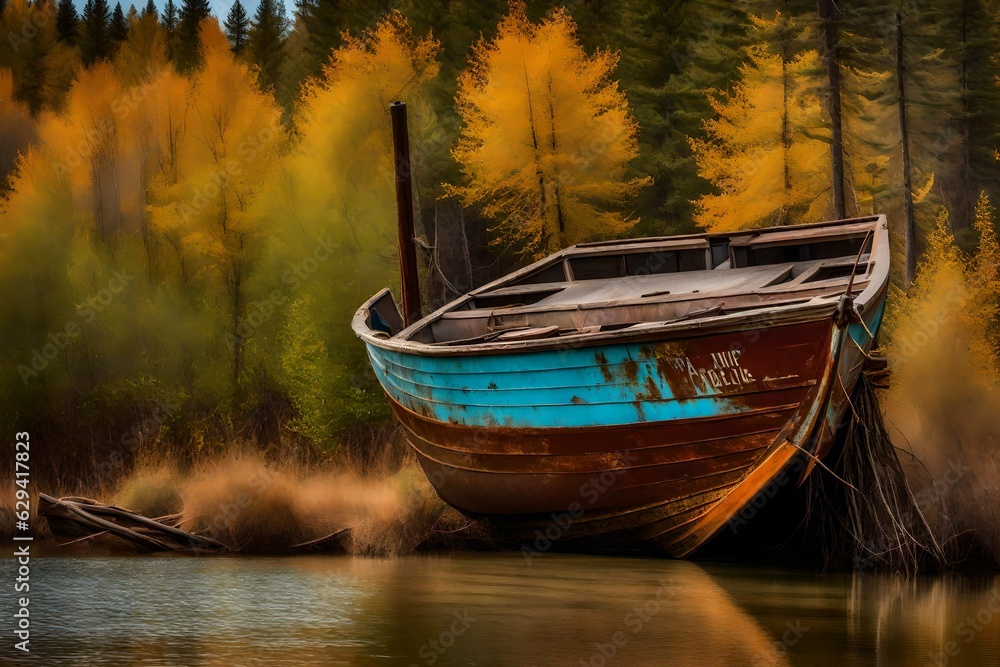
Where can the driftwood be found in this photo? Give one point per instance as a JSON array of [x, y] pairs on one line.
[[85, 519]]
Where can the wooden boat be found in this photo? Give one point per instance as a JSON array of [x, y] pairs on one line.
[[637, 394]]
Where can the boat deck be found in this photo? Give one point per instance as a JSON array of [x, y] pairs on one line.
[[574, 306], [603, 287], [781, 277]]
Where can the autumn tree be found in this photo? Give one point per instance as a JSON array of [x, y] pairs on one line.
[[236, 25], [228, 149], [986, 277], [17, 131], [766, 152], [547, 137], [335, 211]]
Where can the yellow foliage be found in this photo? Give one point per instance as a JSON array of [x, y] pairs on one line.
[[345, 156], [985, 282], [924, 190], [547, 135], [988, 255], [949, 309], [944, 393], [227, 148], [765, 153], [336, 211]]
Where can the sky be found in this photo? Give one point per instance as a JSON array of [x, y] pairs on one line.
[[219, 7]]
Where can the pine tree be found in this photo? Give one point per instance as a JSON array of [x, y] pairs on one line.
[[187, 52], [596, 21], [547, 138], [236, 25], [923, 86], [150, 10], [666, 80], [326, 20], [970, 34], [39, 61], [119, 26], [169, 21], [95, 39], [765, 151], [830, 17], [67, 21], [170, 17], [266, 41]]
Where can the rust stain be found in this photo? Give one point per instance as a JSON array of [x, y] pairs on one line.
[[602, 364], [652, 392], [576, 400], [491, 385], [631, 371]]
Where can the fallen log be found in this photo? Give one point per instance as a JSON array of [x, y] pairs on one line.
[[84, 519], [180, 535], [87, 520]]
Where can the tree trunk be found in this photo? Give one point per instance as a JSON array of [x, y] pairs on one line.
[[829, 39], [538, 161], [558, 197], [965, 211], [786, 133], [904, 138]]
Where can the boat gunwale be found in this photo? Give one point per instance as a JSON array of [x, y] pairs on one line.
[[816, 308]]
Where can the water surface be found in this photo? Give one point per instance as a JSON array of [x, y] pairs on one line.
[[493, 609]]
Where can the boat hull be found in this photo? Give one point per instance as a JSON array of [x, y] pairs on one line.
[[642, 445]]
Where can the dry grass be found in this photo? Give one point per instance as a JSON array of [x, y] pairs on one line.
[[265, 507], [942, 408], [152, 492], [243, 503]]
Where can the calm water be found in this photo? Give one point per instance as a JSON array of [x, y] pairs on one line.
[[493, 610]]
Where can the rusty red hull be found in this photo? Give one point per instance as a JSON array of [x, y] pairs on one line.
[[641, 484]]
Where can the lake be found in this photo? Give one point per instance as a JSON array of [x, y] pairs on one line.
[[493, 609]]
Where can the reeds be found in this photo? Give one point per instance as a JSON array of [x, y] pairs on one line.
[[870, 517]]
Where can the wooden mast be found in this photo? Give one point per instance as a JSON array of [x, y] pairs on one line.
[[404, 209]]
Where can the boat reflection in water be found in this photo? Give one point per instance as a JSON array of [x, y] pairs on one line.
[[496, 609]]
